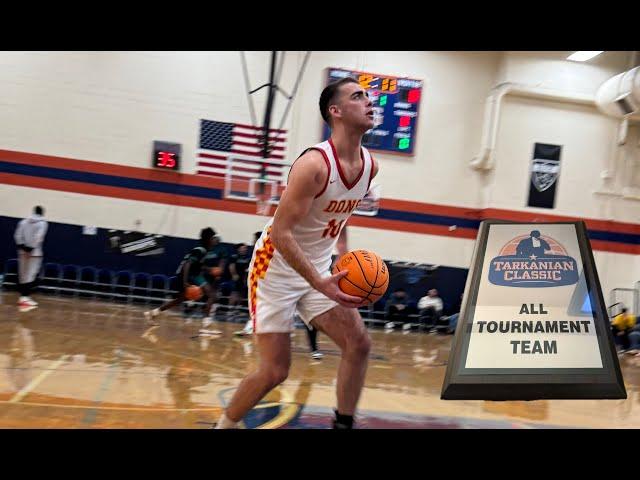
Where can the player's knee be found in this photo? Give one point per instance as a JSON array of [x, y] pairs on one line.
[[360, 345], [277, 375], [364, 345]]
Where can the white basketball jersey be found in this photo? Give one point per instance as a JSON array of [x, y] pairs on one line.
[[317, 234]]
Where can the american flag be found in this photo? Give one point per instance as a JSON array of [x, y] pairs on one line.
[[219, 140]]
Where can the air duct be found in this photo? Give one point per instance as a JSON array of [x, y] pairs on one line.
[[484, 159], [619, 96]]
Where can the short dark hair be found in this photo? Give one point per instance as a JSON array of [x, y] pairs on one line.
[[329, 93], [206, 234], [38, 210]]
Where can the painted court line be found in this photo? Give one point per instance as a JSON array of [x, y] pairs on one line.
[[36, 381]]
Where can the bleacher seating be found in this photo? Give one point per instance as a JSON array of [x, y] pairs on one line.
[[129, 287]]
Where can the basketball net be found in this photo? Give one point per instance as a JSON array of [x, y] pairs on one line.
[[263, 207]]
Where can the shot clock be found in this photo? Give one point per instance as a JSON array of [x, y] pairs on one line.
[[166, 156]]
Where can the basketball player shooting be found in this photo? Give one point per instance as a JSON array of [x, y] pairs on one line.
[[290, 265]]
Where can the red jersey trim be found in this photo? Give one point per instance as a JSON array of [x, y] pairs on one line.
[[341, 173]]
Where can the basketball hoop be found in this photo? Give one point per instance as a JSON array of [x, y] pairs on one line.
[[370, 204]]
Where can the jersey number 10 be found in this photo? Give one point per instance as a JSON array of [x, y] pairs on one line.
[[333, 228]]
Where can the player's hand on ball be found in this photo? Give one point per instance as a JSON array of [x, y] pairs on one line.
[[329, 286]]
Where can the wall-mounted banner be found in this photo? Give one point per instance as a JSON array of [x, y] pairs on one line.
[[545, 170], [135, 243], [533, 323]]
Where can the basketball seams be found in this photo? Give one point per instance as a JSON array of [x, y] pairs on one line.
[[386, 280], [354, 272], [377, 273], [357, 286], [364, 273], [379, 263]]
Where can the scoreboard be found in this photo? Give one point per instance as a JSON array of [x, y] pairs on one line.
[[396, 103]]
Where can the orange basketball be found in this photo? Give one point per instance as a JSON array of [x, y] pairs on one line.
[[368, 276], [215, 271], [193, 292]]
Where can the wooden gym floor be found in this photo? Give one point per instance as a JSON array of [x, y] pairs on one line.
[[76, 363]]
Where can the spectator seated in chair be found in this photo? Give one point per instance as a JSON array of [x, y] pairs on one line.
[[621, 326], [430, 308], [396, 308]]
